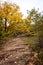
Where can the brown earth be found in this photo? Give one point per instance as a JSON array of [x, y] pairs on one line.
[[17, 52]]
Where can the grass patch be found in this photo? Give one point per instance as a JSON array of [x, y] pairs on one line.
[[30, 40]]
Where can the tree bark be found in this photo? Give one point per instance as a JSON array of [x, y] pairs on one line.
[[5, 24]]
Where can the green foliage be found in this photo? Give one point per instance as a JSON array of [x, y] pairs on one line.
[[40, 55]]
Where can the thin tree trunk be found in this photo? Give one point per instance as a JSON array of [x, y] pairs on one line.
[[5, 24]]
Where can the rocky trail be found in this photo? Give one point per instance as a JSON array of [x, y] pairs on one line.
[[16, 52]]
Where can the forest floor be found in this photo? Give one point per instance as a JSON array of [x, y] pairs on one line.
[[17, 52]]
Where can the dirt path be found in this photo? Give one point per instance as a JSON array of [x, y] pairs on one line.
[[15, 52]]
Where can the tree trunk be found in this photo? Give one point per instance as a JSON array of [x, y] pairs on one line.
[[5, 24]]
